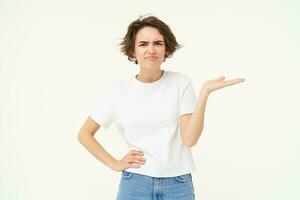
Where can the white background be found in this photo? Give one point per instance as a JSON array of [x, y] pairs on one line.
[[57, 58]]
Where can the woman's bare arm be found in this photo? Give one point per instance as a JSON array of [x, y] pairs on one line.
[[133, 159], [87, 139]]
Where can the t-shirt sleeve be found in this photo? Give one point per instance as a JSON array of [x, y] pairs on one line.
[[188, 99], [104, 112]]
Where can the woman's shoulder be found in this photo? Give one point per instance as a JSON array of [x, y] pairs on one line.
[[180, 76]]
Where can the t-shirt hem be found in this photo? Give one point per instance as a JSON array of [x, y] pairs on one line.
[[160, 175]]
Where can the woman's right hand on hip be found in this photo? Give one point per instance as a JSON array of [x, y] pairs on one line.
[[133, 159]]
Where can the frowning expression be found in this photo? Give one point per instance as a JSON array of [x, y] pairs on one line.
[[149, 48]]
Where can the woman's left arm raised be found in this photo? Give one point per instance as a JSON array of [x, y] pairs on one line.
[[192, 124]]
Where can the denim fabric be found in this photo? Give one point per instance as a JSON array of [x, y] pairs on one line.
[[135, 186]]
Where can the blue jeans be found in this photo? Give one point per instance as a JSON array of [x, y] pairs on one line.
[[135, 186]]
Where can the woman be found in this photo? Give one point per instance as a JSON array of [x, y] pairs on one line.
[[158, 116]]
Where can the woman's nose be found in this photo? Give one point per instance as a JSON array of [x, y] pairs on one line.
[[151, 49]]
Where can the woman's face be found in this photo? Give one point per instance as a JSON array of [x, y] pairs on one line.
[[149, 48]]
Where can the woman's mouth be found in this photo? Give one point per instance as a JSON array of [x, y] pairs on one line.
[[152, 58]]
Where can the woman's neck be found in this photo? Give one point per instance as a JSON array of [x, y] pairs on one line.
[[149, 76]]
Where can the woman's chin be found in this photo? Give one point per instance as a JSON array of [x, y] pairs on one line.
[[151, 65]]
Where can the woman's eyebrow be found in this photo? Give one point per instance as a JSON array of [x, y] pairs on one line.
[[153, 41]]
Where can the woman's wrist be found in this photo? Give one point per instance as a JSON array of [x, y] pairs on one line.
[[204, 93], [112, 164]]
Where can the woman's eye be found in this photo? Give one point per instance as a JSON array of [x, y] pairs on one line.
[[155, 44]]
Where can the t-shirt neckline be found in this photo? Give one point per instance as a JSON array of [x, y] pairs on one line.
[[143, 84]]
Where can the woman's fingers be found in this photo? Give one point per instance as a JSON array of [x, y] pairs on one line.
[[219, 83], [221, 78], [133, 159], [136, 156], [136, 152], [234, 81], [136, 160]]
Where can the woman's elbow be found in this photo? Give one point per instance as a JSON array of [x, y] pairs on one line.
[[82, 135], [190, 144]]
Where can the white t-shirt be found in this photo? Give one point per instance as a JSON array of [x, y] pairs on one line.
[[147, 116]]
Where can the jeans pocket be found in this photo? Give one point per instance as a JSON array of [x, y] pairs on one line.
[[184, 178], [126, 174]]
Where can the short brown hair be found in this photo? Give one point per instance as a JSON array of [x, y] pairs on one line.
[[127, 45]]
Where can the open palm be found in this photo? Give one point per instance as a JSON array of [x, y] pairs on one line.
[[219, 83]]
